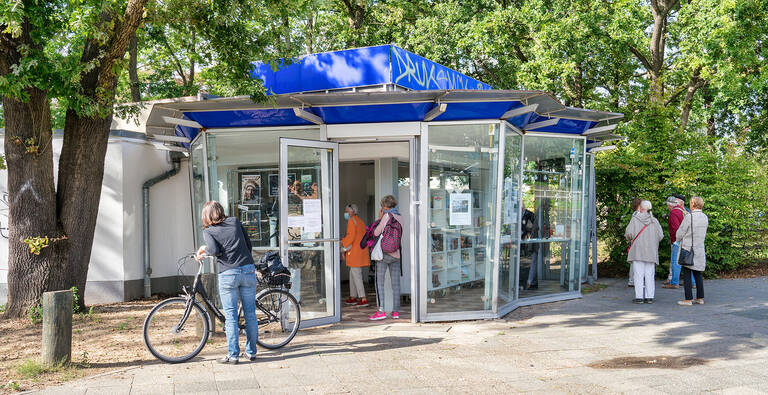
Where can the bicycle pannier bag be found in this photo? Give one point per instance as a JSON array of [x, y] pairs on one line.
[[273, 270]]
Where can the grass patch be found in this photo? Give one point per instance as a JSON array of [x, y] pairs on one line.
[[31, 369], [596, 287], [34, 370], [122, 326]]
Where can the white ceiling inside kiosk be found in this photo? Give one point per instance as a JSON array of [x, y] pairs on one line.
[[369, 151], [254, 148]]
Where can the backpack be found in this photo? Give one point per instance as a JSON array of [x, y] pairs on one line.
[[369, 239], [272, 270], [390, 237]]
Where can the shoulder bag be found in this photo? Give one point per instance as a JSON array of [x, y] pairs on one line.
[[633, 240], [686, 256]]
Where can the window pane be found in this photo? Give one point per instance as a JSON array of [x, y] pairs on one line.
[[510, 217], [243, 177], [462, 202], [551, 218]]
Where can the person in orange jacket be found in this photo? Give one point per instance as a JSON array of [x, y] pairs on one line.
[[356, 258]]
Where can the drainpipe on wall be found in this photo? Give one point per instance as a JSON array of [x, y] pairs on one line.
[[176, 159]]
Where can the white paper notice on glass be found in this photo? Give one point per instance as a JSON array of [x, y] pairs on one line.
[[461, 209], [313, 215], [296, 221]]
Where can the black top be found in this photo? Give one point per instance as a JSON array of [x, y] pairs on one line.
[[229, 243]]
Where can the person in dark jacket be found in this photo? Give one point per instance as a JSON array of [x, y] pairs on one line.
[[226, 239], [676, 214]]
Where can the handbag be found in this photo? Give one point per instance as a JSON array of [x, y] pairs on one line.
[[686, 256], [376, 253], [633, 240]]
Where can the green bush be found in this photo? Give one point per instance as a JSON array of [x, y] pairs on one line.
[[656, 162]]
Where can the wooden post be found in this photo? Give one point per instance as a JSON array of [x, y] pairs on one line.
[[57, 327]]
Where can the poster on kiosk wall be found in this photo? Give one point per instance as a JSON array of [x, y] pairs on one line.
[[460, 209]]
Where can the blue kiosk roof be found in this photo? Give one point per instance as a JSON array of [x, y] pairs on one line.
[[361, 67], [378, 84]]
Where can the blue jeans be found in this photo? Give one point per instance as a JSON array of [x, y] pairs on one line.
[[239, 284], [674, 266]]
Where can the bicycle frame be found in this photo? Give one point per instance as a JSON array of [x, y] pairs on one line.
[[198, 289]]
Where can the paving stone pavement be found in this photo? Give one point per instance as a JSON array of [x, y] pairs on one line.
[[543, 349]]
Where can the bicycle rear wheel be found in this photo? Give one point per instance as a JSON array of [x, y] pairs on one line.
[[279, 318], [170, 337]]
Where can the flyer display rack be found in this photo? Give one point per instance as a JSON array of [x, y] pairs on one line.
[[457, 252]]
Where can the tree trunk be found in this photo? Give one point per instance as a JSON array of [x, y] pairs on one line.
[[133, 73], [81, 171], [32, 211]]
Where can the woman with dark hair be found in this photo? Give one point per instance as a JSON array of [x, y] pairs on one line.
[[226, 239]]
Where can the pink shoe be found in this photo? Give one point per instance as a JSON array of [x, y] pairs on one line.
[[395, 315], [380, 315]]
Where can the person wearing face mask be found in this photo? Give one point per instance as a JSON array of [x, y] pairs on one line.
[[356, 258]]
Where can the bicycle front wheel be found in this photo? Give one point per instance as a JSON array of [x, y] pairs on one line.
[[279, 318], [176, 330]]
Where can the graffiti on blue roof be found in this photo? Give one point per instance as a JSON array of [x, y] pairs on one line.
[[414, 72]]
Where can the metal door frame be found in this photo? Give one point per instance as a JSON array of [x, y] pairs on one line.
[[332, 271]]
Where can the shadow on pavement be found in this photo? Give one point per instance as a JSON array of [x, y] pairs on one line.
[[733, 320]]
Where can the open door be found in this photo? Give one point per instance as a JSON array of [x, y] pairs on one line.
[[309, 231]]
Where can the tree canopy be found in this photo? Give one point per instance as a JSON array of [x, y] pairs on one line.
[[690, 76]]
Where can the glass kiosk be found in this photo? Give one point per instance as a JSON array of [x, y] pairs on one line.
[[498, 213]]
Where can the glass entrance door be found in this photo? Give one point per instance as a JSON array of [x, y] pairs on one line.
[[309, 231]]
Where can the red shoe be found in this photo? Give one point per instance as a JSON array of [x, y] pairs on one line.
[[350, 301], [362, 303], [380, 315]]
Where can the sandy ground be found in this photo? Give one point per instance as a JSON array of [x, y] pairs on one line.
[[108, 339]]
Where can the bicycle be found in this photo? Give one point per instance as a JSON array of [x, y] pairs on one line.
[[177, 329]]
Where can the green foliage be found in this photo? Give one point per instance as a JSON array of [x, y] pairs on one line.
[[659, 162], [2, 308], [13, 385], [75, 300], [35, 313], [36, 244], [31, 369]]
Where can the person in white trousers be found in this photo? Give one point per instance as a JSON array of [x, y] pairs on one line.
[[644, 234], [635, 204]]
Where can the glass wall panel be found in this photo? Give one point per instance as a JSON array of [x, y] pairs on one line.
[[197, 161], [310, 216], [243, 177], [510, 217], [462, 170], [585, 241], [551, 215]]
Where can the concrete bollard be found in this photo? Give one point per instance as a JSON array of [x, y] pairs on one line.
[[57, 327]]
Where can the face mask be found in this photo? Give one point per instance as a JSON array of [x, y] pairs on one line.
[[346, 216]]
